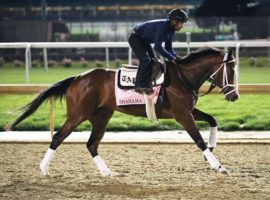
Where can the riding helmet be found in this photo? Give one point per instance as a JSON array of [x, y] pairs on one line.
[[178, 15]]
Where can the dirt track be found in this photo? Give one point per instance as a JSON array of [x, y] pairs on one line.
[[148, 172]]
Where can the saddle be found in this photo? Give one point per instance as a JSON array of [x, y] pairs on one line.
[[125, 94], [127, 75], [125, 79]]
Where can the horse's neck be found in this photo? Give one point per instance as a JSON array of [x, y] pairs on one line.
[[197, 73]]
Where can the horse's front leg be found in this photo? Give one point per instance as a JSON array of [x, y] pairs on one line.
[[201, 116], [188, 122]]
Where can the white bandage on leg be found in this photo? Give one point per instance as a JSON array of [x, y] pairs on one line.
[[214, 163], [150, 108], [104, 170], [212, 142], [44, 165]]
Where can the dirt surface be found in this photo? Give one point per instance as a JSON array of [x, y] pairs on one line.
[[153, 171]]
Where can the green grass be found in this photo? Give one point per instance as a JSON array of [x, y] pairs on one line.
[[37, 75], [11, 74], [251, 112], [16, 75], [254, 72]]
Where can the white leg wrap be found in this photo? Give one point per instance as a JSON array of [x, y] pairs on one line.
[[102, 167], [214, 163], [212, 142], [44, 165], [150, 108]]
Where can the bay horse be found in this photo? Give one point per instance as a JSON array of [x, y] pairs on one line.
[[91, 96]]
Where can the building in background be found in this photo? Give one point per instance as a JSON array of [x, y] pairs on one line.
[[103, 20], [86, 20], [111, 20]]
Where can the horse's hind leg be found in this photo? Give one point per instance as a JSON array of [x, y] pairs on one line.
[[99, 121], [58, 138], [201, 116]]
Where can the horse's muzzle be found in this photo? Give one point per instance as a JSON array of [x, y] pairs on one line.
[[233, 96]]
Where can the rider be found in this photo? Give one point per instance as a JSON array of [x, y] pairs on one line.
[[154, 31]]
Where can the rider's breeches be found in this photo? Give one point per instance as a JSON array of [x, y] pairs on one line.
[[144, 53]]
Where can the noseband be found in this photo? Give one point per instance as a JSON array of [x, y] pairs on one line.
[[225, 77]]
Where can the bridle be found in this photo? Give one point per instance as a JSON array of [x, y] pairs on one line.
[[226, 84], [211, 79]]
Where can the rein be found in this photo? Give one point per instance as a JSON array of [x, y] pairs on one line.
[[211, 87]]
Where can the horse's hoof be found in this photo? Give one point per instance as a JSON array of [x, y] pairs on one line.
[[45, 173], [205, 159], [223, 170], [106, 173], [116, 174], [44, 170]]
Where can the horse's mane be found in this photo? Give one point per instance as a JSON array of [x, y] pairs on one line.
[[201, 52]]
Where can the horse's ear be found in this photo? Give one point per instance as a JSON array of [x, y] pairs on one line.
[[230, 52]]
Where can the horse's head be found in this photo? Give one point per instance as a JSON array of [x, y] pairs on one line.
[[225, 77]]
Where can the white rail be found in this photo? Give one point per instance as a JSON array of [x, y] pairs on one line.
[[260, 43], [45, 45]]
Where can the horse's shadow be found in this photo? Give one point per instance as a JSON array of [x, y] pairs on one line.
[[104, 186]]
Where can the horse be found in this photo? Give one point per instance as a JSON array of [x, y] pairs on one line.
[[91, 96]]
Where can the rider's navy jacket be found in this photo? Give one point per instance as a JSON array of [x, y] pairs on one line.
[[158, 31]]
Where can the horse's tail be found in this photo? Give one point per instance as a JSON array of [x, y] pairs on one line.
[[57, 90]]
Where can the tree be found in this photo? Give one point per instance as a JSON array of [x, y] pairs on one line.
[[228, 8]]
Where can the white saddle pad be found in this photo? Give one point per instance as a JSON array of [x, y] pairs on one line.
[[127, 76], [130, 97]]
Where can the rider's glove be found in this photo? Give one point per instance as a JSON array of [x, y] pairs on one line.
[[176, 60]]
